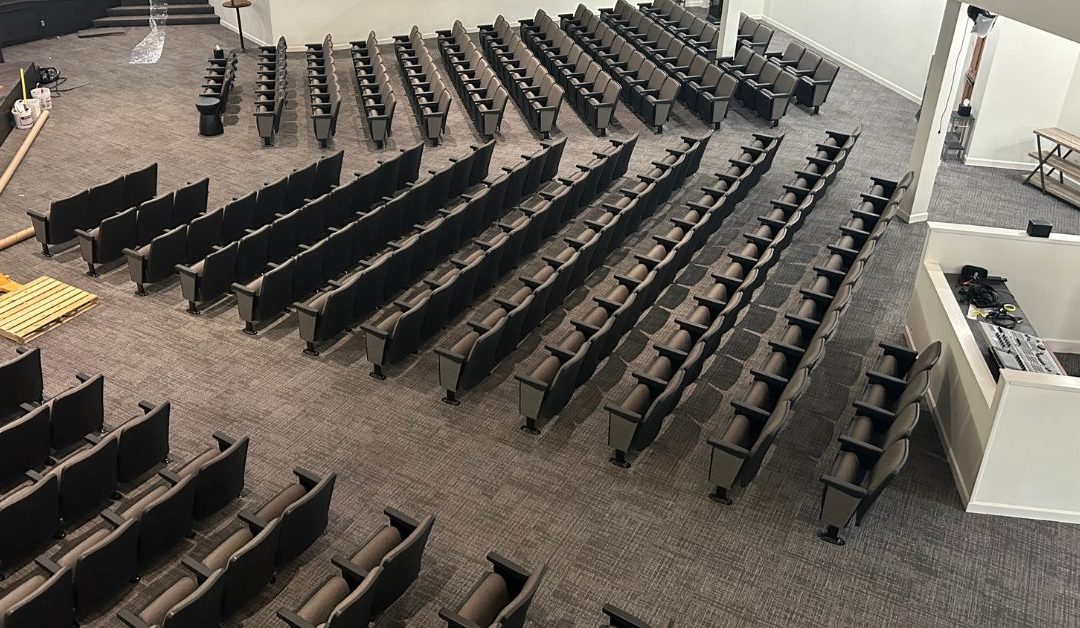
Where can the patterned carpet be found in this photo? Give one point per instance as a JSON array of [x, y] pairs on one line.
[[646, 538]]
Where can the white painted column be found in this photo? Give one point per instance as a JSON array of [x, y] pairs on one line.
[[729, 21], [941, 81]]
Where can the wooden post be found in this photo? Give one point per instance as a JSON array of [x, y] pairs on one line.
[[17, 159]]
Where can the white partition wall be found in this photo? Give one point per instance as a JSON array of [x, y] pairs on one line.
[[1011, 443], [346, 20]]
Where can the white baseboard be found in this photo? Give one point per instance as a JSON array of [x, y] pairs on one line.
[[247, 36], [1024, 512], [1062, 346], [915, 98], [998, 163], [958, 478]]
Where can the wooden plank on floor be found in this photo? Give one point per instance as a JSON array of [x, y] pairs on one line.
[[39, 306]]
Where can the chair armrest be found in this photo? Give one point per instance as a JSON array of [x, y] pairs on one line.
[[201, 571], [348, 568], [222, 439], [844, 487], [621, 619], [170, 476], [113, 518], [130, 619], [507, 568], [48, 564], [734, 450], [453, 620], [254, 521], [307, 478], [294, 620]]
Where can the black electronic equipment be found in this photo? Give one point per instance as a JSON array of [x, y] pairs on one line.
[[1039, 228]]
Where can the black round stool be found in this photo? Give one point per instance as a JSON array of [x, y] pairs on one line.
[[209, 118]]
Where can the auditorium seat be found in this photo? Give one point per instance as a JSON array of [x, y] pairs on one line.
[[304, 510], [811, 91], [22, 382], [40, 602], [77, 411], [103, 563], [501, 598], [144, 441], [88, 478], [158, 259], [24, 445], [189, 602], [29, 516], [165, 515], [219, 474], [247, 557]]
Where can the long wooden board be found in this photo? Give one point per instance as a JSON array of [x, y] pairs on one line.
[[39, 306]]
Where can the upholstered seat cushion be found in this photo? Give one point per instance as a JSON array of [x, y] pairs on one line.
[[376, 548], [73, 554], [219, 557], [273, 508], [486, 600], [322, 602], [19, 594], [155, 611], [197, 462], [135, 510]]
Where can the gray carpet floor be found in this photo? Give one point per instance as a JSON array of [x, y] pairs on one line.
[[646, 538]]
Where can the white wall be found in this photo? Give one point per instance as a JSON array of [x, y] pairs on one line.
[[256, 20], [1024, 84], [889, 41], [1070, 113], [351, 19]]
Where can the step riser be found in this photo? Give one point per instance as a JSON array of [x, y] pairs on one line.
[[175, 20], [199, 9], [146, 3]]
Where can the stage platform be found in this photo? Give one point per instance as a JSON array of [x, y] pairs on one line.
[[10, 90]]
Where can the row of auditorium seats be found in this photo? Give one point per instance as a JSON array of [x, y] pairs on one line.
[[82, 577], [88, 208], [241, 236], [370, 579], [447, 291], [685, 25], [270, 83], [61, 421], [50, 502], [573, 359], [120, 233], [373, 90], [323, 89], [481, 93], [764, 412], [423, 312], [592, 92], [407, 224], [754, 33], [648, 89], [219, 77], [535, 90], [384, 266], [875, 446], [802, 74], [635, 421], [424, 83], [490, 337], [704, 88]]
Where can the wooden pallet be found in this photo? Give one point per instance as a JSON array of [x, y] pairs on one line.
[[40, 305]]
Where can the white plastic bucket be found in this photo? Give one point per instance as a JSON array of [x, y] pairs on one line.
[[44, 94], [23, 119], [33, 105]]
